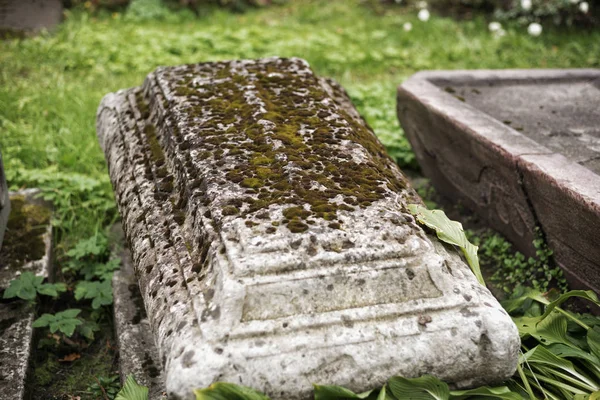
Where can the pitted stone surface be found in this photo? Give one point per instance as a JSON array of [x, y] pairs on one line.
[[137, 352], [272, 244], [519, 147]]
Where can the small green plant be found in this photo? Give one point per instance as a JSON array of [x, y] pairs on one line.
[[513, 268], [100, 292], [90, 259], [28, 286], [64, 321], [105, 386], [132, 390]]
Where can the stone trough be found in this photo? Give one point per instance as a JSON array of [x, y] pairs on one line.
[[272, 244], [521, 148], [27, 246]]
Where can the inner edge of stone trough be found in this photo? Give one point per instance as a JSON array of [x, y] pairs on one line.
[[575, 180], [470, 112]]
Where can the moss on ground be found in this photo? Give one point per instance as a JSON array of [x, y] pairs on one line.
[[24, 237], [52, 379]]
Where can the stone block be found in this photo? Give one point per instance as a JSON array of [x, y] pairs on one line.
[[27, 247], [272, 244], [521, 148], [29, 15]]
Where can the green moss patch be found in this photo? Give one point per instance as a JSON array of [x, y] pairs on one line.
[[293, 151], [24, 237]]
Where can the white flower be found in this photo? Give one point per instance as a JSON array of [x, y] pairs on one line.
[[526, 4], [422, 4], [584, 7], [423, 15], [534, 29], [494, 26], [407, 26], [499, 33]]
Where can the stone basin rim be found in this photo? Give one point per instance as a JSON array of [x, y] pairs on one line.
[[425, 86]]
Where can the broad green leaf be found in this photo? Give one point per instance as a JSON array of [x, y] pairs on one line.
[[485, 392], [584, 294], [24, 287], [514, 304], [99, 292], [426, 387], [593, 341], [132, 390], [228, 391], [551, 330], [562, 350], [66, 325], [43, 321], [450, 232], [330, 392], [51, 289], [70, 313]]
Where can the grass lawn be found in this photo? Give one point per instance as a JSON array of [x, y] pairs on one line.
[[51, 85]]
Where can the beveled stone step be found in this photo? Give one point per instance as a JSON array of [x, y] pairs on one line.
[[272, 244], [137, 352], [521, 148]]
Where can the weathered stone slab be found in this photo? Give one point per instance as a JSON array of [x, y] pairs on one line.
[[519, 147], [29, 15], [27, 247], [4, 202], [272, 244]]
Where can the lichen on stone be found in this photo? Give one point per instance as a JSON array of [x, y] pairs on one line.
[[24, 237], [271, 129]]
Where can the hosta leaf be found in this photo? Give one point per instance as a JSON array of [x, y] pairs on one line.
[[329, 392], [228, 391], [540, 356], [584, 294], [485, 392], [426, 387], [563, 350], [450, 232], [593, 341], [515, 304], [132, 391], [551, 330]]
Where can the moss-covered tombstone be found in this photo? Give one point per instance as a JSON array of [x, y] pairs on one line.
[[272, 240]]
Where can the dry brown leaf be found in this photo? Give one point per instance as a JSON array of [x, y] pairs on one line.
[[70, 357]]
